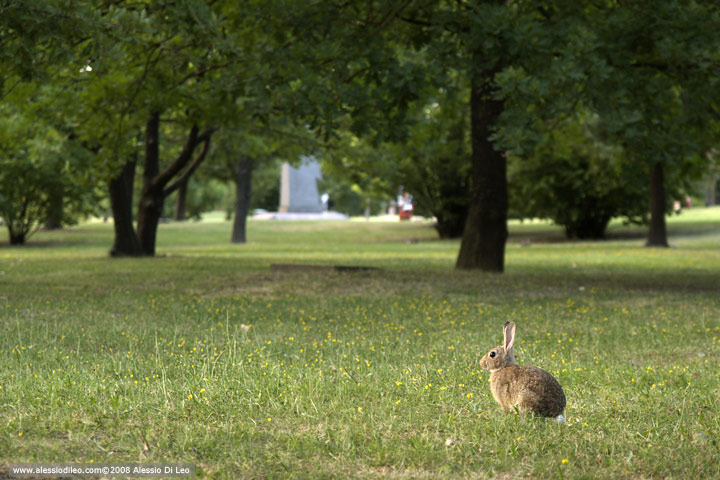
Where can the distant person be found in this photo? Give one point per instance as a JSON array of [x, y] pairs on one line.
[[405, 204]]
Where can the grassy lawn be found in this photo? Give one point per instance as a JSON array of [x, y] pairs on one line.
[[368, 374]]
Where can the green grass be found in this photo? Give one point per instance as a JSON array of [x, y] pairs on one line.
[[370, 374]]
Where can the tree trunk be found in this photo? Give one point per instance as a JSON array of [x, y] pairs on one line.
[[157, 185], [243, 189], [657, 234], [54, 216], [451, 208], [17, 238], [121, 192], [453, 195], [151, 197], [450, 226], [181, 202], [485, 234], [589, 229], [711, 189]]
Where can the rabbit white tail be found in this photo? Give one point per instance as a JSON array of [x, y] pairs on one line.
[[560, 419]]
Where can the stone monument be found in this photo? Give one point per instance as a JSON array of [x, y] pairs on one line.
[[299, 197], [298, 187]]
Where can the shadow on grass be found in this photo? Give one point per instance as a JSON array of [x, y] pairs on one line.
[[624, 233], [513, 285]]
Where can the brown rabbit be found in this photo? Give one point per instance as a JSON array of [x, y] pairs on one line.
[[530, 389]]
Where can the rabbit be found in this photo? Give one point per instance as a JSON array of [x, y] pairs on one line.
[[528, 388]]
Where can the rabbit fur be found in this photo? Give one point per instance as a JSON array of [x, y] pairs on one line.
[[527, 388]]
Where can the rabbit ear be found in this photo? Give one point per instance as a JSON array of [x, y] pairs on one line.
[[509, 335]]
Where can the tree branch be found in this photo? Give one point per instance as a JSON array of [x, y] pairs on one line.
[[162, 179], [180, 161], [416, 21], [391, 15], [203, 71], [193, 166]]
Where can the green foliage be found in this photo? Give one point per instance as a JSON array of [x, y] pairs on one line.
[[656, 91], [348, 198], [266, 186], [268, 146], [38, 166], [203, 195], [346, 61], [578, 180], [650, 78], [646, 72], [37, 36], [431, 162], [355, 172]]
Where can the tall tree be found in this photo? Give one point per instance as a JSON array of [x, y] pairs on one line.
[[646, 69], [485, 234], [171, 67], [481, 40], [39, 42], [245, 148], [654, 83], [38, 160], [575, 177], [157, 184], [242, 172]]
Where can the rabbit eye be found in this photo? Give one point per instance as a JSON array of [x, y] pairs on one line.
[[492, 354]]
